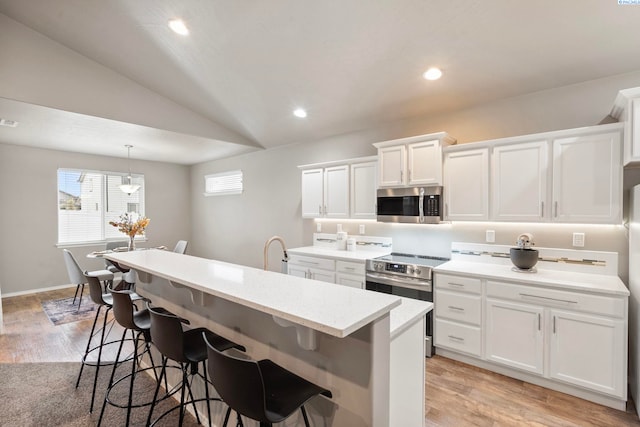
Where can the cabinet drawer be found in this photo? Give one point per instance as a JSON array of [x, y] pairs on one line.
[[458, 283], [575, 301], [455, 306], [351, 280], [313, 262], [350, 267], [458, 337]]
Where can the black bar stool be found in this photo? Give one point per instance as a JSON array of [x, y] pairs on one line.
[[139, 323], [188, 349], [102, 300], [262, 390]]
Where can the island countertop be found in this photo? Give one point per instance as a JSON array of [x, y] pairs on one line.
[[334, 310]]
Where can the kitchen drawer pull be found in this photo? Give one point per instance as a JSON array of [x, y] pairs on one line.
[[548, 299], [452, 307], [539, 322], [349, 268], [455, 338], [304, 261], [456, 284], [556, 209], [541, 209]]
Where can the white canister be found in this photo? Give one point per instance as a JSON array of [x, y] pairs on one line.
[[351, 244], [341, 240]]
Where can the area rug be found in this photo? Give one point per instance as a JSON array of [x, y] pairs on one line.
[[61, 311], [44, 394]]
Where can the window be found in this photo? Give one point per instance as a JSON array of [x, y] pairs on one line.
[[88, 200], [223, 183]]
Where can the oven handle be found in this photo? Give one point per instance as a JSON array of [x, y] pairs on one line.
[[392, 281], [421, 205]]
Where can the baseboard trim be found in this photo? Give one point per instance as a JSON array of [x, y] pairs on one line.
[[36, 291]]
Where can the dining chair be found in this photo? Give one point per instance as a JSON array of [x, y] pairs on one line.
[[111, 246], [181, 247], [77, 275]]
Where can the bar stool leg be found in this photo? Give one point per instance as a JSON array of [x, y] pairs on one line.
[[86, 351], [163, 373]]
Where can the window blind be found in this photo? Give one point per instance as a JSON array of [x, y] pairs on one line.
[[88, 200], [223, 183]]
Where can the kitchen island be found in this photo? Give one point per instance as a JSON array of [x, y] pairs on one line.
[[366, 347]]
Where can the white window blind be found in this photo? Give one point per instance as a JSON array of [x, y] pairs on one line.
[[223, 183], [88, 200]]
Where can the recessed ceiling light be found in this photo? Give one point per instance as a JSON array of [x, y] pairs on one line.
[[432, 74], [178, 26], [299, 112]]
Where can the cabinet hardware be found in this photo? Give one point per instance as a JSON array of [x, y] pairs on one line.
[[556, 209], [349, 268], [446, 210], [456, 308], [554, 324], [409, 175], [304, 261], [539, 321], [401, 176], [548, 299], [456, 284], [319, 209], [325, 209], [455, 338], [541, 209]]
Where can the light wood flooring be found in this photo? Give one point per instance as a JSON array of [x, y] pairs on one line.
[[457, 394]]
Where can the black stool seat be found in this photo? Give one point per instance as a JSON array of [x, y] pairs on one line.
[[261, 390]]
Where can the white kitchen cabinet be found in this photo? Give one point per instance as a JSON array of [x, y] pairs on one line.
[[626, 109], [584, 351], [587, 179], [316, 268], [325, 192], [363, 190], [350, 274], [466, 185], [339, 189], [519, 181], [514, 335], [412, 161]]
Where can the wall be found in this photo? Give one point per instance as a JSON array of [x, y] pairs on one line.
[[234, 228], [29, 258]]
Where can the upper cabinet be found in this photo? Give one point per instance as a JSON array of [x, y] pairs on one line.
[[572, 176], [627, 109], [412, 161], [339, 189]]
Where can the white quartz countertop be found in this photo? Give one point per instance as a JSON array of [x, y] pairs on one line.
[[334, 310], [584, 282], [356, 256], [407, 313]]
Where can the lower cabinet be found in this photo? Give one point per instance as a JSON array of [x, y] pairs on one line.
[[344, 273], [566, 337]]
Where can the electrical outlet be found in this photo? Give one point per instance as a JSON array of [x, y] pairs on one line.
[[318, 227], [339, 228], [578, 240], [361, 229], [490, 236]]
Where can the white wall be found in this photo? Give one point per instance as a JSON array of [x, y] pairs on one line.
[[234, 228], [29, 258]]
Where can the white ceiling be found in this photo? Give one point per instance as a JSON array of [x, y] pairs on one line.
[[353, 64]]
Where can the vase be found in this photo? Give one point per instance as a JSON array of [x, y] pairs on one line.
[[132, 243]]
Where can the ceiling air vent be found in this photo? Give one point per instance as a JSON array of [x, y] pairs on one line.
[[8, 123]]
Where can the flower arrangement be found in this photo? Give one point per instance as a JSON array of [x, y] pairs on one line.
[[131, 224]]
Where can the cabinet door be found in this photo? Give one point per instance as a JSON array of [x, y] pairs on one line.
[[633, 132], [587, 177], [312, 197], [514, 335], [466, 185], [392, 161], [336, 192], [363, 190], [351, 280], [424, 163], [588, 351], [519, 185], [297, 270], [322, 275]]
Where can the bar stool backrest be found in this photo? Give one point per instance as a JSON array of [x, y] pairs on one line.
[[123, 309], [95, 290], [239, 383], [167, 333]]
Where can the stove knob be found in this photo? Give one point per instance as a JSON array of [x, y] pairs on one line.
[[418, 271], [410, 270], [378, 266]]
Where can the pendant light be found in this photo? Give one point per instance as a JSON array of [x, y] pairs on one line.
[[129, 187]]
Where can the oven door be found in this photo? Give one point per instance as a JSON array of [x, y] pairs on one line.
[[408, 288]]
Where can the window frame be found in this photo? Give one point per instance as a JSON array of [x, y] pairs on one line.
[[105, 203], [236, 173]]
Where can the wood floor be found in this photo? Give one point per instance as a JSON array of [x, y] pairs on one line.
[[457, 394]]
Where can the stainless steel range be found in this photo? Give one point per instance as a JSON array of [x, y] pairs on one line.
[[407, 276]]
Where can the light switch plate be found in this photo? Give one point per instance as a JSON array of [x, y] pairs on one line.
[[578, 240], [318, 227], [490, 236], [361, 229]]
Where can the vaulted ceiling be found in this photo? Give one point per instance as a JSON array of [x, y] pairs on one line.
[[231, 85]]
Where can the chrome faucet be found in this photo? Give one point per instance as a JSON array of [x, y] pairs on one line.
[[266, 251]]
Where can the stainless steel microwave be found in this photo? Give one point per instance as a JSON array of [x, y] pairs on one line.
[[420, 205]]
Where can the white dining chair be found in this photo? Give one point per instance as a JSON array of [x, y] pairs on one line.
[[77, 276], [181, 247]]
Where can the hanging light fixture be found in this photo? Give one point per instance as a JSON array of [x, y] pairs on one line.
[[129, 187]]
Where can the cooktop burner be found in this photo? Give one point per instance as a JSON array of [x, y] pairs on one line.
[[421, 260]]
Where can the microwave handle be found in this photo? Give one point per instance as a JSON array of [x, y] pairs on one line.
[[421, 205]]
